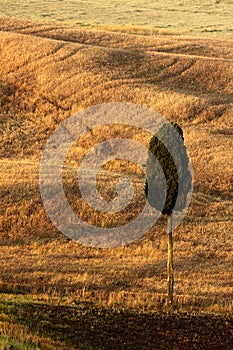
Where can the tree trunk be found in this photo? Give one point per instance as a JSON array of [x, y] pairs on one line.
[[170, 279]]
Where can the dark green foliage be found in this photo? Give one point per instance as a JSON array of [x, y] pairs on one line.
[[167, 146]]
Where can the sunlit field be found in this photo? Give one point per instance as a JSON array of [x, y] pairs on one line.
[[197, 17], [58, 294]]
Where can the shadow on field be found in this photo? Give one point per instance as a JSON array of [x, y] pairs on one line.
[[84, 326]]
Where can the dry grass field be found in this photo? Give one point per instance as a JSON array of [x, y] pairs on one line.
[[48, 73], [208, 17]]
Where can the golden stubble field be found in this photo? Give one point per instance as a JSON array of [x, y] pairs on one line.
[[48, 73], [209, 17]]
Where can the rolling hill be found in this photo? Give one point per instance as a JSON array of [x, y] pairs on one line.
[[50, 72]]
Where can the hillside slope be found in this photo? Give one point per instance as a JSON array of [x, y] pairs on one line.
[[48, 73]]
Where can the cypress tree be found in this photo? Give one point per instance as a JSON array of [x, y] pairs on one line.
[[167, 147]]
